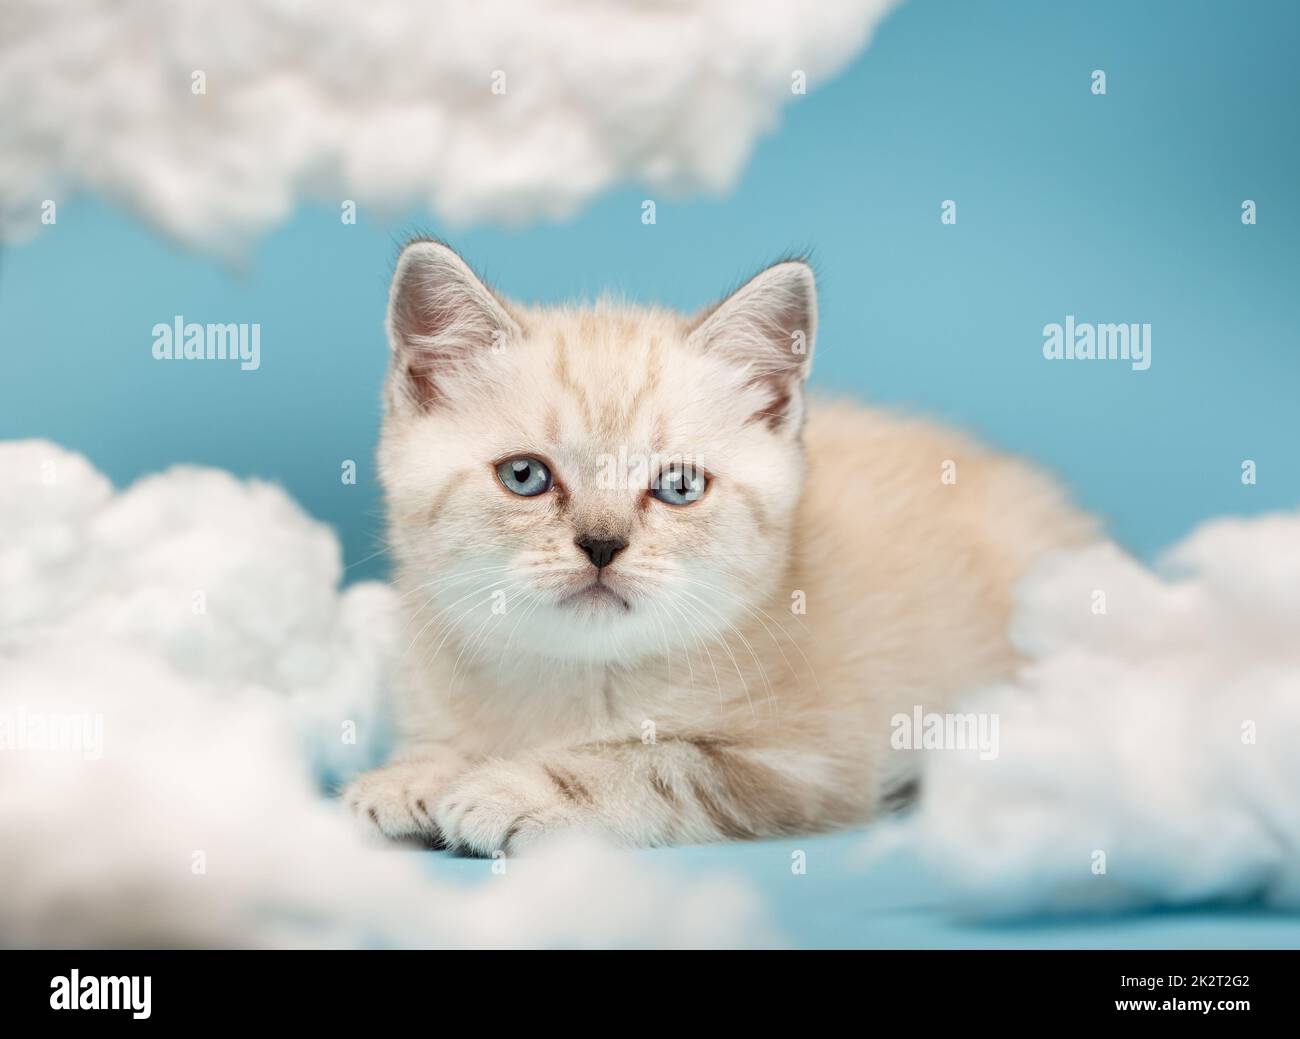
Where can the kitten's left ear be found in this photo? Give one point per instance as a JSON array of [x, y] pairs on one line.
[[767, 327], [443, 323]]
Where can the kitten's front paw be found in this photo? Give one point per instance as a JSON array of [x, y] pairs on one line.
[[398, 799], [506, 806]]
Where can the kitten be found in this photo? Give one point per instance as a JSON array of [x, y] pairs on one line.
[[649, 593]]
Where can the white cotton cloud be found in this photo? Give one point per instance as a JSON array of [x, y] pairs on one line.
[[1162, 734], [177, 665], [391, 103], [227, 582]]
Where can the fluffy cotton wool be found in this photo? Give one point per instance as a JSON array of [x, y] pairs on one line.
[[1148, 752], [212, 123]]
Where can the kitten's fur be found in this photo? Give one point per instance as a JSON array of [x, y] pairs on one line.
[[828, 579]]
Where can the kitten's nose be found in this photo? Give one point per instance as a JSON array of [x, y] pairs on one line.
[[599, 551]]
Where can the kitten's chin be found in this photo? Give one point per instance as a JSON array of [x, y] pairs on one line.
[[595, 600], [594, 624]]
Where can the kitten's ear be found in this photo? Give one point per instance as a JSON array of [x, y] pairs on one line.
[[767, 327], [443, 322]]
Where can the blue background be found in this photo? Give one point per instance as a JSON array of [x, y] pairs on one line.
[[1117, 208]]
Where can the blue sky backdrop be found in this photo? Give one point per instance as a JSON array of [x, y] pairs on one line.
[[1117, 208]]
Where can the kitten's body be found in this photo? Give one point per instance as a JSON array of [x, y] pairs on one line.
[[743, 686]]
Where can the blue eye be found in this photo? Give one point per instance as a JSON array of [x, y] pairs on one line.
[[526, 477], [680, 485]]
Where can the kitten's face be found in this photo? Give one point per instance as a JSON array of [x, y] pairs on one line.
[[600, 484]]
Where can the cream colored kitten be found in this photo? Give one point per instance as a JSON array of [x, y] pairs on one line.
[[649, 595]]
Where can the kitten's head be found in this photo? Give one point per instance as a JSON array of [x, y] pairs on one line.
[[601, 483]]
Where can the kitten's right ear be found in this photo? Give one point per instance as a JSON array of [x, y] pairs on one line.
[[766, 328], [443, 322]]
